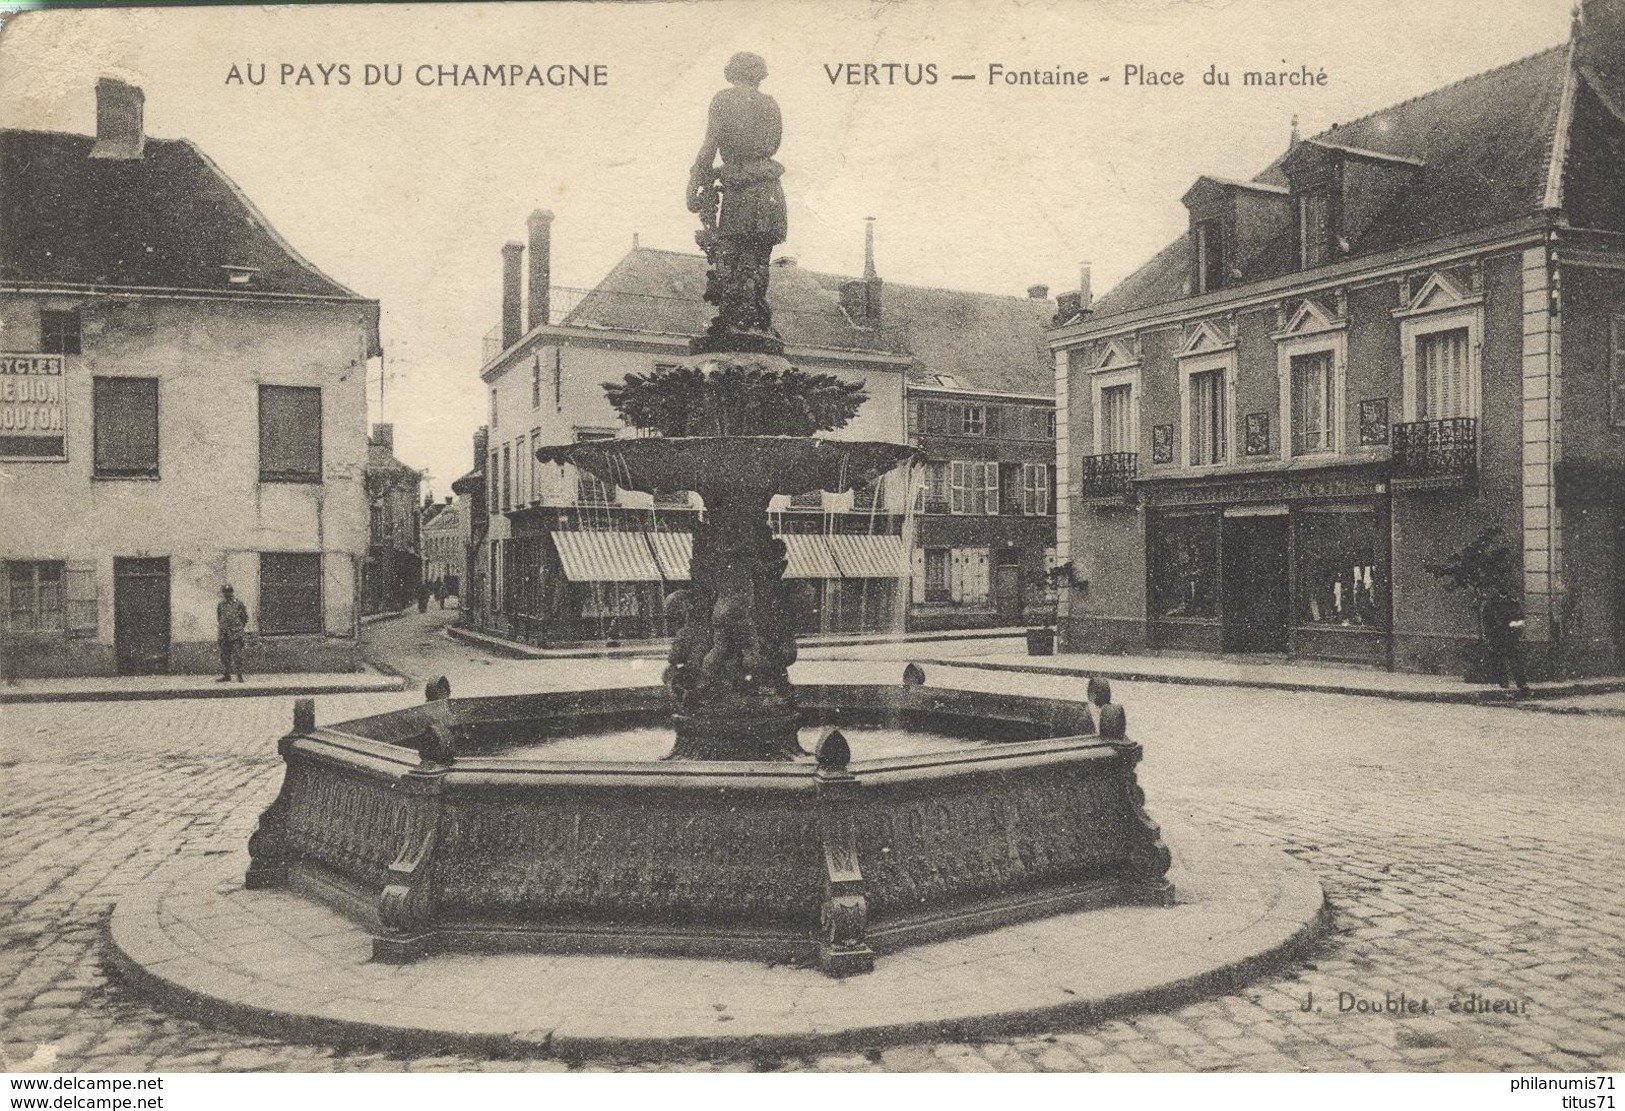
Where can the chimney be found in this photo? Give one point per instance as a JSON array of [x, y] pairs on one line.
[[1293, 141], [119, 130], [1038, 292], [383, 435], [511, 319], [1086, 293], [450, 498], [871, 279], [541, 266]]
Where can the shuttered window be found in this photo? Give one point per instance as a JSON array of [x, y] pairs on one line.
[[1035, 489], [973, 488], [126, 427], [1313, 403], [34, 597], [1116, 427], [1207, 418], [290, 592], [1442, 365], [290, 434]]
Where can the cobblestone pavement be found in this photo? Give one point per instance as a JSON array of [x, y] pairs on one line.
[[1472, 854]]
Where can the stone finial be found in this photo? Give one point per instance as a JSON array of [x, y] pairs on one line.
[[437, 690], [914, 676], [1099, 691], [1113, 722], [834, 752], [304, 715]]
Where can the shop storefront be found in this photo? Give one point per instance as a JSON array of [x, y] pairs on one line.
[[1293, 565]]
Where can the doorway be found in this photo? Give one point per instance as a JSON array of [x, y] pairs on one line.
[[141, 616], [1255, 583], [1007, 587]]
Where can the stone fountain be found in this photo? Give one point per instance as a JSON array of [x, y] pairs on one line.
[[547, 822]]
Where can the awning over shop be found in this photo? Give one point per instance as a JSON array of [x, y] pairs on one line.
[[809, 557], [673, 550], [606, 557], [869, 557]]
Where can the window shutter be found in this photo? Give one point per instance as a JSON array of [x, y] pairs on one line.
[[917, 588], [290, 433], [81, 598], [993, 420], [990, 484], [126, 418], [956, 575]]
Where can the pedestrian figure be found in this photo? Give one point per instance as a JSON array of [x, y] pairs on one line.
[[1502, 619], [440, 592], [424, 590], [232, 618]]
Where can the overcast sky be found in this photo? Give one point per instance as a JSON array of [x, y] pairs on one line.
[[406, 193]]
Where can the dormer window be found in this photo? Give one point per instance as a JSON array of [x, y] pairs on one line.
[[1315, 227], [1208, 240]]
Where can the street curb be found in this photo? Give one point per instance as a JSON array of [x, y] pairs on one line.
[[1312, 914], [383, 684], [1468, 697]]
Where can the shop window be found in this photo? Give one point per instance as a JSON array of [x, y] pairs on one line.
[[1035, 486], [936, 574], [1207, 417], [36, 598], [972, 420], [290, 592], [59, 332], [1444, 375], [1337, 569], [973, 488], [1184, 567], [1314, 403], [126, 427], [290, 434]]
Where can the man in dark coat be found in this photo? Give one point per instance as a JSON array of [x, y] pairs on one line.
[[1502, 620], [232, 618]]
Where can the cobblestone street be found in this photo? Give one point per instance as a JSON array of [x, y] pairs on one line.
[[1471, 854]]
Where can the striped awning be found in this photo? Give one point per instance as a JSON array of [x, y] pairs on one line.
[[673, 551], [869, 557], [606, 557], [809, 557]]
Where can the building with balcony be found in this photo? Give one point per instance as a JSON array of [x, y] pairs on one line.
[[564, 557], [182, 406], [1408, 329]]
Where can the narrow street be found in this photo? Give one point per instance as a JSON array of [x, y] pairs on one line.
[[1465, 850]]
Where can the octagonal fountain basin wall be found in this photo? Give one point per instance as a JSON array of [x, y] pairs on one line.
[[448, 827]]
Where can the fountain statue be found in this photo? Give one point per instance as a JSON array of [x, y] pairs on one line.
[[726, 813]]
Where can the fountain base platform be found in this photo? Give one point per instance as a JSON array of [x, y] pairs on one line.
[[417, 826]]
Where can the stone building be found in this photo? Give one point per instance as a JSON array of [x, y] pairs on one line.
[[1407, 329], [183, 406], [445, 543], [567, 557], [394, 566]]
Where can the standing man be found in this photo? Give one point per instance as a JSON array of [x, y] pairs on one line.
[[232, 618], [1502, 619]]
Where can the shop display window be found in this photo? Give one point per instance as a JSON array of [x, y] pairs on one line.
[[1185, 566], [1337, 570]]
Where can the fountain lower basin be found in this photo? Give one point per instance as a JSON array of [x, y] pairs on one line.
[[450, 826]]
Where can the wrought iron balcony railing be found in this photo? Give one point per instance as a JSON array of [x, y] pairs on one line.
[[1435, 452], [1110, 475]]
